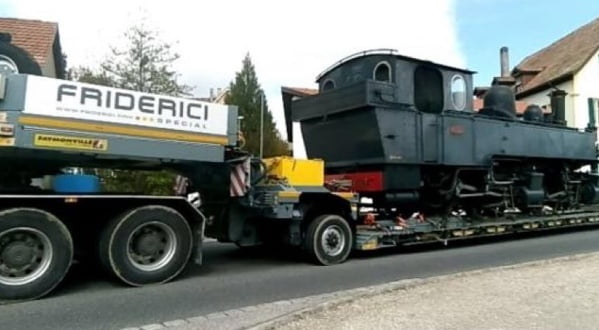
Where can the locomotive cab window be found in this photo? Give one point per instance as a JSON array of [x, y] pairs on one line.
[[458, 92], [428, 89], [382, 72], [328, 85]]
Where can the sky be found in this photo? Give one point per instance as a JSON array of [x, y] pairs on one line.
[[524, 26], [291, 42]]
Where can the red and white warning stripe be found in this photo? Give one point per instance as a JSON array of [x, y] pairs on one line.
[[240, 178]]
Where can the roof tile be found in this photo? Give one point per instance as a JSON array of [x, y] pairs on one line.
[[35, 37], [562, 58], [478, 104]]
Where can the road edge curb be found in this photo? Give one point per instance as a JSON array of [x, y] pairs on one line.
[[348, 296]]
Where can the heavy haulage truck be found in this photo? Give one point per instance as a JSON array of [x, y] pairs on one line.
[[399, 157], [49, 216]]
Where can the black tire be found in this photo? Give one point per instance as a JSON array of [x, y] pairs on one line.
[[122, 245], [40, 238], [336, 231], [24, 62]]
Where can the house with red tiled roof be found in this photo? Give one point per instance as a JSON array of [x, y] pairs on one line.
[[30, 43], [219, 97], [291, 94], [570, 64]]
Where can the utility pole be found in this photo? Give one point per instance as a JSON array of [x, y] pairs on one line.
[[261, 124]]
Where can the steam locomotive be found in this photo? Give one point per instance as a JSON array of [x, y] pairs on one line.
[[403, 132]]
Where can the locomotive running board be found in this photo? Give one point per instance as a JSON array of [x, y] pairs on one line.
[[387, 233]]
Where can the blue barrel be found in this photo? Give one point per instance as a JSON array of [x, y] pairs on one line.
[[76, 184]]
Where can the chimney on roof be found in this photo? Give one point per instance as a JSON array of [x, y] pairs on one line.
[[505, 78], [558, 106], [211, 94], [505, 62]]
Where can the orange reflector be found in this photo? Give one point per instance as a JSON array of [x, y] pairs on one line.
[[369, 219], [71, 200], [7, 130]]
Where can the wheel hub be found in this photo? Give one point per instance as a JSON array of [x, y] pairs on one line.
[[17, 254], [152, 246], [333, 240], [149, 244], [25, 255]]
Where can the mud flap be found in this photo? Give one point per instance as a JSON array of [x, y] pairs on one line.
[[198, 233]]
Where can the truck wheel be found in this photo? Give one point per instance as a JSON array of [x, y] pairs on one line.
[[328, 239], [15, 60], [36, 251], [147, 245]]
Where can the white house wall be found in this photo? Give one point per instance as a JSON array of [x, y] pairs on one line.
[[586, 84], [49, 68], [542, 99]]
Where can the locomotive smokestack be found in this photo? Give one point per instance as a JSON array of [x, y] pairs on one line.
[[504, 59], [558, 106], [505, 78]]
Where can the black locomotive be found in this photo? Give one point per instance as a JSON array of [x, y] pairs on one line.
[[403, 131]]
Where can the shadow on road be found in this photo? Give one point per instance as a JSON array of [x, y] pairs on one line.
[[85, 276], [223, 258]]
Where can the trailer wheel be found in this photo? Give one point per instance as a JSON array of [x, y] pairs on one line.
[[147, 245], [328, 239], [36, 251]]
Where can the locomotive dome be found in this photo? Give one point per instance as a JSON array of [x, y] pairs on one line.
[[447, 88]]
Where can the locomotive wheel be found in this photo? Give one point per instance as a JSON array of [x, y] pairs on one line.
[[36, 251], [147, 245], [328, 239], [15, 60]]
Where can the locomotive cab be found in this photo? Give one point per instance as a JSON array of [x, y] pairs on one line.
[[428, 86]]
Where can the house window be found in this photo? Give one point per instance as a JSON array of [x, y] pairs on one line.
[[458, 92], [382, 72], [328, 85], [518, 86]]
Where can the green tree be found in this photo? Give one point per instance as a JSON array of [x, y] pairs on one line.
[[90, 76], [145, 65], [246, 93]]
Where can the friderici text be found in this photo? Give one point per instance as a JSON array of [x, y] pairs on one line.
[[124, 101]]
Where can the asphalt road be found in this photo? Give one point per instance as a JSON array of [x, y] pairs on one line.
[[232, 278]]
